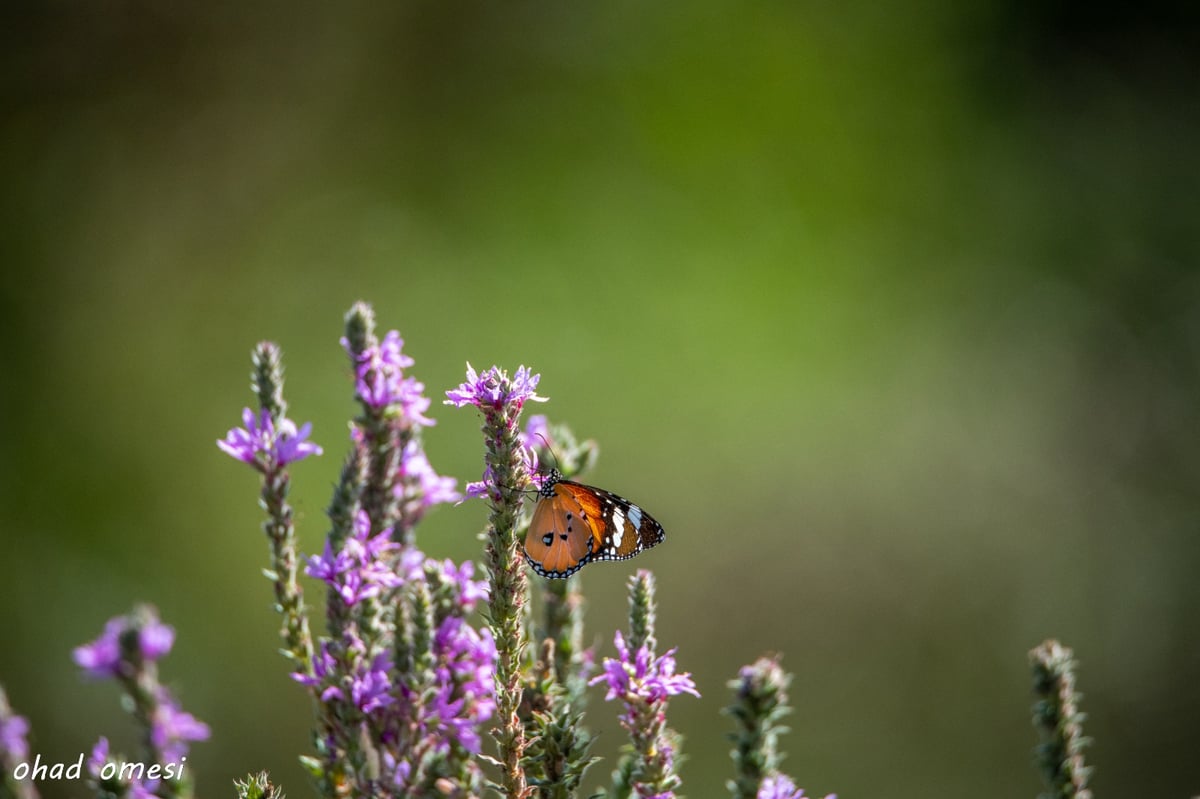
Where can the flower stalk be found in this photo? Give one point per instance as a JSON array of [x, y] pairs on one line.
[[501, 399], [760, 702], [644, 681], [127, 652], [269, 441], [1059, 721]]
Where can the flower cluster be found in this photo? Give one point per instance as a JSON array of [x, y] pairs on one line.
[[643, 682], [424, 714], [106, 656], [453, 695], [362, 568], [403, 681], [427, 487], [494, 389], [406, 680], [266, 443], [127, 651], [380, 380], [1059, 720], [463, 691], [399, 484], [641, 677]]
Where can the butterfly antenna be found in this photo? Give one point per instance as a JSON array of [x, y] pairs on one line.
[[553, 454]]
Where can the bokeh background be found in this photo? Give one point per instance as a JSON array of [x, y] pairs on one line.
[[889, 312]]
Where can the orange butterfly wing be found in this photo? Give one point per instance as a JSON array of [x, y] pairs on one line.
[[620, 529], [559, 541], [574, 524]]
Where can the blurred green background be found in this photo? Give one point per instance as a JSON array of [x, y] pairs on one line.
[[889, 313]]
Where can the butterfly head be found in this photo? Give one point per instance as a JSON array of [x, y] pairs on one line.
[[552, 478]]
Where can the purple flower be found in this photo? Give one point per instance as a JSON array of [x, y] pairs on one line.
[[98, 757], [13, 746], [329, 565], [370, 683], [464, 698], [172, 728], [494, 389], [483, 488], [103, 657], [155, 639], [537, 432], [380, 380], [137, 789], [324, 666], [415, 469], [361, 569], [487, 486], [370, 687], [469, 591], [261, 442], [651, 679], [781, 787]]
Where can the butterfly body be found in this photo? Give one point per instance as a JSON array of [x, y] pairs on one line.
[[574, 524]]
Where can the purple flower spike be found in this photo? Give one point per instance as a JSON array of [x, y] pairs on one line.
[[493, 389], [465, 684], [260, 442], [380, 380], [98, 757], [13, 746]]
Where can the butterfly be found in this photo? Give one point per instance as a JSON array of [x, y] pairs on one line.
[[574, 524]]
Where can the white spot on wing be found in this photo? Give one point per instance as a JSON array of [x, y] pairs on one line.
[[618, 520], [635, 516]]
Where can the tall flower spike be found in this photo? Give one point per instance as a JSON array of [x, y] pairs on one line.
[[127, 651], [644, 683], [1056, 715], [14, 749], [269, 442], [501, 399], [400, 484], [642, 611], [377, 431], [760, 702]]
